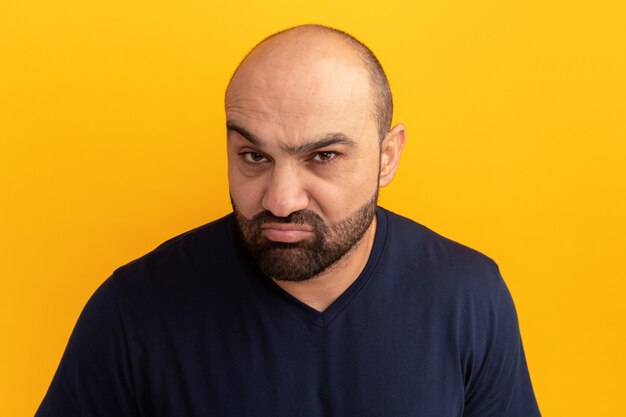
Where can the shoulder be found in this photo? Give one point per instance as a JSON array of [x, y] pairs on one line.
[[207, 236], [193, 246], [438, 262], [408, 238], [182, 267]]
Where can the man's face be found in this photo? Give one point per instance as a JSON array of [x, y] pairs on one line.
[[303, 159]]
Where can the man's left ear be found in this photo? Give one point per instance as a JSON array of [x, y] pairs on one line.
[[391, 148]]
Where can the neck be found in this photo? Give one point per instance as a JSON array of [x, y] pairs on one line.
[[322, 290]]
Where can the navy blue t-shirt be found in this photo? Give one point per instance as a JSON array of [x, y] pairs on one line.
[[194, 329]]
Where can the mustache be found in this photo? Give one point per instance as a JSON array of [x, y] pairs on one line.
[[304, 217]]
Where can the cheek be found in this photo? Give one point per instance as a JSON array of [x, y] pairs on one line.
[[347, 192], [247, 194]]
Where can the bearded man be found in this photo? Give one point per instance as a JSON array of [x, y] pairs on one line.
[[308, 299]]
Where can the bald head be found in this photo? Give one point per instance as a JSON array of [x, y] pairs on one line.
[[310, 53]]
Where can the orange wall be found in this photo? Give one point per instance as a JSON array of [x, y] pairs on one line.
[[112, 140]]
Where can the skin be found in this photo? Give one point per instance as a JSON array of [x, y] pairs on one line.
[[302, 136]]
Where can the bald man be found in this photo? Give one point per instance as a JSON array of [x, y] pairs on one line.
[[308, 299]]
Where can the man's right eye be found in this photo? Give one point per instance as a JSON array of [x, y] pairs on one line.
[[253, 157]]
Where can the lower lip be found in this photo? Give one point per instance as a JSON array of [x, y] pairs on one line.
[[288, 236]]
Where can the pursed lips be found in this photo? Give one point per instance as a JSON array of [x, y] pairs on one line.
[[286, 232]]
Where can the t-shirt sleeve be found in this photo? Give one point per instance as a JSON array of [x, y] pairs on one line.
[[93, 377], [499, 384]]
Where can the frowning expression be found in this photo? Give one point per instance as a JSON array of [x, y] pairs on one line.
[[302, 139]]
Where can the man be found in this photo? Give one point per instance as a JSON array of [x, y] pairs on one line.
[[308, 300]]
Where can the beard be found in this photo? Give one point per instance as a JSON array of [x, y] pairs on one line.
[[305, 259]]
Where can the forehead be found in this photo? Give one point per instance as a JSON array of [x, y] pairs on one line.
[[293, 100]]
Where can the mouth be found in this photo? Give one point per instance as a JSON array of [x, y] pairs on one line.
[[286, 232]]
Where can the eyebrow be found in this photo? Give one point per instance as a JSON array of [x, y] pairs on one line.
[[315, 144]]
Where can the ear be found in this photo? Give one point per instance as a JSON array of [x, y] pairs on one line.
[[391, 148]]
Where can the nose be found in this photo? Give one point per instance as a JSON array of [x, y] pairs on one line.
[[285, 192]]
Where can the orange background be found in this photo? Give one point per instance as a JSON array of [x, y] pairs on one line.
[[112, 140]]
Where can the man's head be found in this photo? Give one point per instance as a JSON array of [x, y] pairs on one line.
[[308, 113]]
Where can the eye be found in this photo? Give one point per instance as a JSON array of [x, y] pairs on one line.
[[253, 157], [324, 156]]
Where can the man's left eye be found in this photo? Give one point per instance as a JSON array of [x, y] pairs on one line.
[[324, 156]]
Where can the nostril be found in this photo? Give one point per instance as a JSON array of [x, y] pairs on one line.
[[283, 202]]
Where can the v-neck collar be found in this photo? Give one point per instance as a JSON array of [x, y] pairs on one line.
[[324, 318]]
